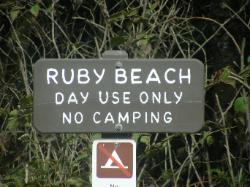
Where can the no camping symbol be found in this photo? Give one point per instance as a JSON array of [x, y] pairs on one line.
[[114, 160]]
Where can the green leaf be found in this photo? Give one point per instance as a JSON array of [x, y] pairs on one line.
[[145, 139], [241, 104], [12, 120], [153, 6], [34, 10], [13, 14], [75, 182], [116, 41], [209, 140], [225, 74], [132, 12], [136, 136], [26, 102], [117, 16], [2, 111], [142, 42], [13, 113], [96, 136], [124, 14], [248, 59], [167, 174]]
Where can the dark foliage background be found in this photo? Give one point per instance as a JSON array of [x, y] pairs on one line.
[[215, 31]]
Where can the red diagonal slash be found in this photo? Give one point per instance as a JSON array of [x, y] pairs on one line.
[[105, 151]]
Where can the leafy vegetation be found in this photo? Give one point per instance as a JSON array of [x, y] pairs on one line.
[[216, 32]]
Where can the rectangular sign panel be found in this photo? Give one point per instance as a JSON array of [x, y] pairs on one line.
[[113, 163], [126, 95]]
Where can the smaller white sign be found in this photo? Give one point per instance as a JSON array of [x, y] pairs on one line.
[[114, 163]]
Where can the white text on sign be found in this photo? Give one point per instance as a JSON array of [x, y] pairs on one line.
[[121, 76], [133, 76]]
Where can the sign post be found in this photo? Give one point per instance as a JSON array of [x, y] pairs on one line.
[[116, 54]]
